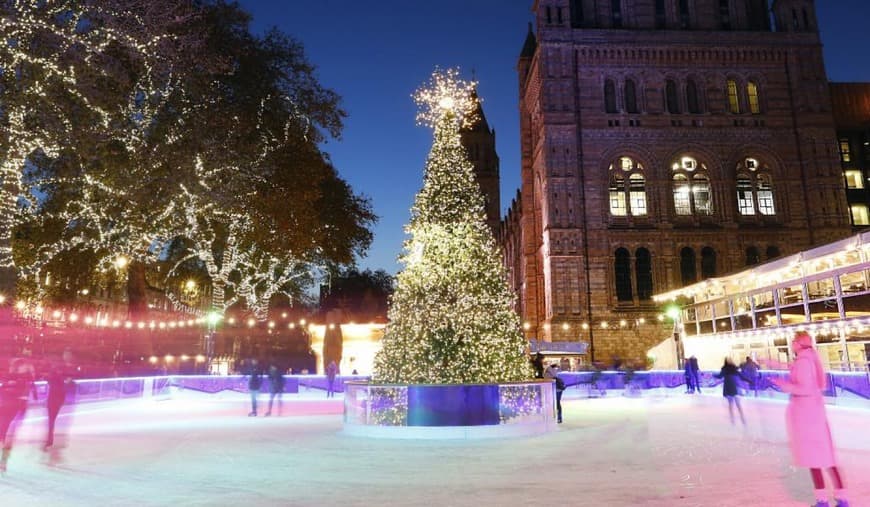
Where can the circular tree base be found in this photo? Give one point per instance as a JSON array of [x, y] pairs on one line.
[[449, 411]]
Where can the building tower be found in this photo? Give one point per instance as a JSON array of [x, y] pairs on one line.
[[664, 142], [479, 141]]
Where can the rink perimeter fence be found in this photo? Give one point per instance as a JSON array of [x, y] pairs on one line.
[[843, 387]]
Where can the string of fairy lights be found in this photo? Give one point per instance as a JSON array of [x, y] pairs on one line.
[[284, 320]]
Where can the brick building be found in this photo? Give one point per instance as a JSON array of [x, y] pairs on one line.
[[664, 142]]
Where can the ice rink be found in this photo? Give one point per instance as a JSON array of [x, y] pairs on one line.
[[674, 450]]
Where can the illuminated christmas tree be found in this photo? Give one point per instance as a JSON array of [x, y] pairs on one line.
[[451, 317]]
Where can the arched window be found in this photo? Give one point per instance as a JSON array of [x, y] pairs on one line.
[[618, 207], [765, 196], [627, 196], [753, 257], [643, 270], [661, 17], [609, 96], [692, 99], [576, 13], [684, 14], [754, 186], [772, 252], [708, 263], [637, 194], [733, 99], [688, 272], [745, 200], [701, 194], [616, 10], [630, 97], [671, 97], [691, 187], [682, 201], [622, 270], [725, 14], [752, 95]]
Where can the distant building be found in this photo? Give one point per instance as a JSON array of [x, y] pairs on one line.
[[664, 143], [851, 103]]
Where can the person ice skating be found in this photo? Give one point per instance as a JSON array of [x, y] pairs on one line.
[[553, 373], [749, 371], [729, 374], [809, 434], [696, 374], [538, 365], [276, 388], [255, 381], [331, 371], [15, 387], [60, 383], [690, 378]]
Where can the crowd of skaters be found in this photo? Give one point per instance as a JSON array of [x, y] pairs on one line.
[[256, 374]]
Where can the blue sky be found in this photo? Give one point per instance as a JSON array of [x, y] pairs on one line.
[[376, 53]]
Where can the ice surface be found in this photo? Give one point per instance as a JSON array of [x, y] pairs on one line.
[[656, 450]]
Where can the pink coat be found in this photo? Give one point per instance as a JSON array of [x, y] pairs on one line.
[[809, 435]]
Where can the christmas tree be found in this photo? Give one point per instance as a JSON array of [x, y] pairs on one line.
[[451, 316]]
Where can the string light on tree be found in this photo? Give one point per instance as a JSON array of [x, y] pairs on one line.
[[451, 316]]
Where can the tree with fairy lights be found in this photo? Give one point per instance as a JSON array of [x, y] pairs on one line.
[[451, 317]]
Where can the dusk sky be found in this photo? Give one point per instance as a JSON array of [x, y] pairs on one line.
[[376, 53]]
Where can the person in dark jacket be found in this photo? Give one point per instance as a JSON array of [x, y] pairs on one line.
[[690, 379], [538, 365], [729, 375], [60, 385], [14, 389], [696, 374], [553, 373], [331, 372], [276, 388], [255, 381], [749, 371]]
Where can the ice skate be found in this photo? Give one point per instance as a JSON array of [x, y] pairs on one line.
[[842, 503]]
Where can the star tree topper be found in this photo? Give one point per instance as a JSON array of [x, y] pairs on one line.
[[446, 94]]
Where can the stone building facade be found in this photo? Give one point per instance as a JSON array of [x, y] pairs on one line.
[[664, 142]]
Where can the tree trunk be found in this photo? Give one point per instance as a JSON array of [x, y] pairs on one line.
[[137, 291]]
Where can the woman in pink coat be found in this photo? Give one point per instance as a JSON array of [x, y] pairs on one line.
[[809, 434]]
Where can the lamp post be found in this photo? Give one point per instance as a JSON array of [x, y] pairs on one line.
[[212, 319], [673, 312]]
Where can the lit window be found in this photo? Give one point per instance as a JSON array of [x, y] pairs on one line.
[[745, 201], [765, 196], [860, 216], [701, 195], [751, 164], [626, 164], [682, 203], [752, 94], [845, 150], [854, 179], [637, 194], [617, 196], [733, 100]]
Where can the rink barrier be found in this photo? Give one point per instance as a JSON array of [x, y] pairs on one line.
[[840, 383], [163, 387], [853, 385], [449, 411]]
